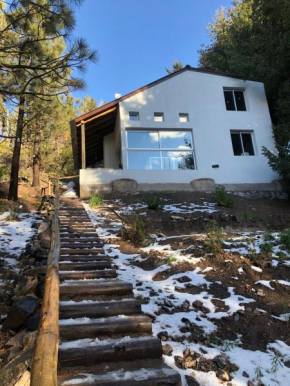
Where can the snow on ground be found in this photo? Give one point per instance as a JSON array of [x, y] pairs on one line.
[[14, 236], [267, 367]]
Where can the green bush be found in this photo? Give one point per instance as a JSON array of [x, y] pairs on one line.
[[13, 215], [285, 239], [134, 232], [96, 200], [266, 248], [214, 238], [222, 198], [170, 259], [154, 202]]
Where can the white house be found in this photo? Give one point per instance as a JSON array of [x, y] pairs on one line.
[[178, 133]]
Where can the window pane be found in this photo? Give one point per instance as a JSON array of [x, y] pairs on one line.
[[174, 160], [134, 116], [143, 140], [248, 144], [175, 140], [240, 100], [183, 117], [144, 160], [237, 145], [158, 117], [229, 99]]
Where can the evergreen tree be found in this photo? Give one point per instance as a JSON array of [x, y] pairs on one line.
[[34, 62], [252, 39], [176, 66]]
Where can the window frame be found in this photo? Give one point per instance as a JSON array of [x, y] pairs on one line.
[[160, 150], [240, 132], [232, 90], [132, 114]]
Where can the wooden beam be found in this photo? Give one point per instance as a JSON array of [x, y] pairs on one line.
[[98, 116], [74, 144], [83, 136]]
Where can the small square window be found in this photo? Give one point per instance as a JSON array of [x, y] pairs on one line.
[[134, 116], [235, 100], [183, 117], [242, 143], [158, 117]]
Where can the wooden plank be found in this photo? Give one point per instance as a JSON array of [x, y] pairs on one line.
[[113, 288], [84, 266], [130, 325], [107, 273], [80, 258], [95, 251], [100, 309], [130, 350]]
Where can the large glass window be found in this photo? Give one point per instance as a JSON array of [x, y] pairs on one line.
[[163, 149]]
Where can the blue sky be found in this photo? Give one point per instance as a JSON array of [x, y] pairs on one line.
[[137, 39]]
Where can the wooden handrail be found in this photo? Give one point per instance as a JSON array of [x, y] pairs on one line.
[[45, 357]]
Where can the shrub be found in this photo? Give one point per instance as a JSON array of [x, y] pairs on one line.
[[285, 239], [96, 200], [222, 198], [214, 238], [154, 202], [134, 232], [13, 215], [170, 259], [266, 248]]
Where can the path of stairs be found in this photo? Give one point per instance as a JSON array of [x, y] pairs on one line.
[[105, 338]]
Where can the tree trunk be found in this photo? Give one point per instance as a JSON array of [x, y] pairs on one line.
[[36, 161], [14, 176]]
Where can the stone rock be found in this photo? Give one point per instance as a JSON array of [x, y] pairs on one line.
[[245, 374], [32, 323], [44, 234], [29, 340], [183, 279], [223, 217], [176, 218], [223, 375], [203, 185], [163, 335], [191, 381], [124, 185], [20, 311], [25, 285], [260, 292], [167, 350], [221, 361]]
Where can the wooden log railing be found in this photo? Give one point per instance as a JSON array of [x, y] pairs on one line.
[[45, 357]]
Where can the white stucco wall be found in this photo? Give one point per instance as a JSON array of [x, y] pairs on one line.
[[201, 96], [111, 159]]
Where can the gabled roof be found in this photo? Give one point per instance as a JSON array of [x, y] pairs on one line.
[[96, 112]]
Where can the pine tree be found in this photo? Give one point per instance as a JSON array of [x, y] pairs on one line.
[[176, 66]]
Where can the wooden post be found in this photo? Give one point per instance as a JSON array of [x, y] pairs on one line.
[[83, 134], [49, 187]]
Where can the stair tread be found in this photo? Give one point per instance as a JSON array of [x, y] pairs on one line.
[[150, 372]]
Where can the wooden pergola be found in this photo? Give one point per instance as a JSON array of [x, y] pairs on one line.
[[88, 132]]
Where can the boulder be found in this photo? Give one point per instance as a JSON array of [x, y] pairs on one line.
[[44, 234], [20, 311], [203, 185], [124, 185], [25, 285], [24, 380]]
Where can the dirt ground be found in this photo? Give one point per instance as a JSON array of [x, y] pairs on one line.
[[29, 197], [247, 214], [241, 266]]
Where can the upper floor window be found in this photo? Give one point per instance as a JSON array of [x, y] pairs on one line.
[[183, 117], [235, 100], [134, 116], [158, 117], [242, 143]]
